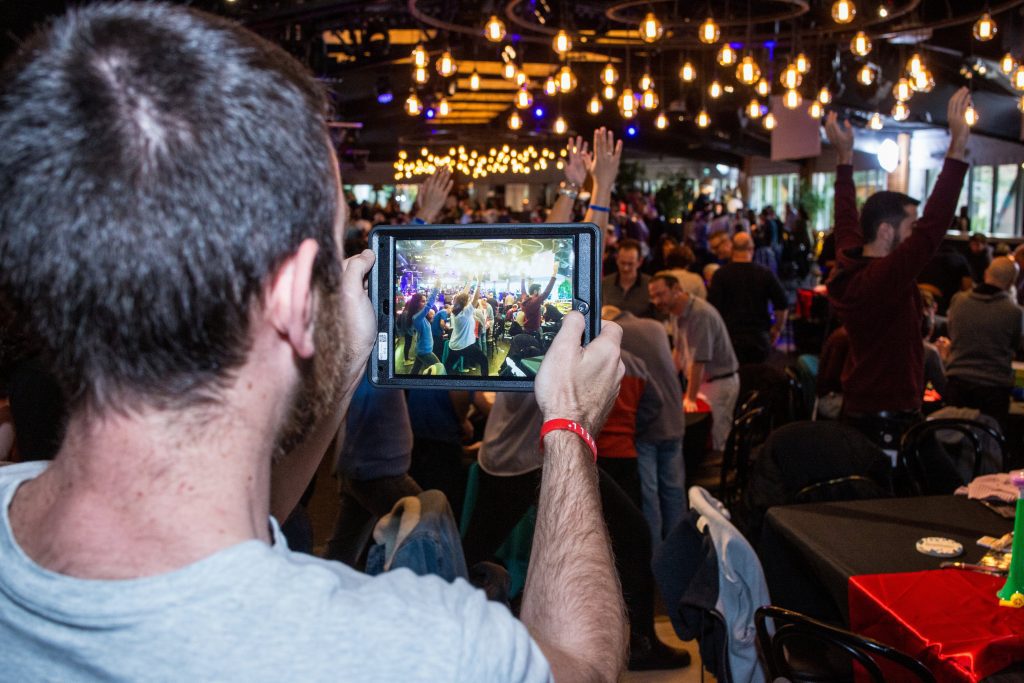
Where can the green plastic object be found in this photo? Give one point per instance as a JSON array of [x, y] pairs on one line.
[[1012, 593]]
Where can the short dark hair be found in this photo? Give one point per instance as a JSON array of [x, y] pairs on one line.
[[671, 281], [883, 207], [533, 289], [630, 243], [157, 165], [680, 257]]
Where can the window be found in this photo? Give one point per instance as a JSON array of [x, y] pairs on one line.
[[982, 181], [1005, 209]]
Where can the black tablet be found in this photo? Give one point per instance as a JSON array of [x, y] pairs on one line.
[[477, 306]]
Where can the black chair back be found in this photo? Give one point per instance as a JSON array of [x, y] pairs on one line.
[[749, 429], [805, 649], [925, 466]]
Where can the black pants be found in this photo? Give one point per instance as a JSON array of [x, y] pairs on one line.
[[502, 501], [438, 465], [623, 472], [361, 504], [751, 348], [472, 355], [423, 361], [887, 431], [991, 400]]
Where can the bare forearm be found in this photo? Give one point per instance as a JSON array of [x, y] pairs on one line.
[[561, 212], [572, 602], [601, 196], [694, 378]]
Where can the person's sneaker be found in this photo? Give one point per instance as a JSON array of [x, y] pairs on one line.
[[650, 654]]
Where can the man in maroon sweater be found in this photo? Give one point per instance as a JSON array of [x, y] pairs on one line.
[[873, 288]]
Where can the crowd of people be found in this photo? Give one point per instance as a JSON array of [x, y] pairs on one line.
[[202, 381]]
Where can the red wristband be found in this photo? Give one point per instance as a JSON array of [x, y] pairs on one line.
[[568, 425]]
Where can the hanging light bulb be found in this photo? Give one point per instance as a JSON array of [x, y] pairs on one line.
[[515, 121], [413, 105], [474, 80], [560, 126], [883, 11], [1007, 64], [420, 58], [627, 104], [727, 55], [494, 29], [523, 99], [521, 78], [509, 70], [971, 115], [687, 73], [802, 63], [646, 82], [902, 91], [715, 89], [875, 122], [420, 75], [608, 92], [843, 11], [661, 123], [1020, 104], [562, 42], [709, 31], [609, 75], [763, 88], [649, 99], [866, 75], [900, 111], [923, 81], [446, 65], [550, 87], [443, 108], [565, 79], [768, 121], [703, 120], [792, 99], [791, 77], [748, 71], [824, 95], [915, 64], [815, 110], [594, 106], [984, 29], [860, 45], [1018, 77], [651, 29], [753, 109]]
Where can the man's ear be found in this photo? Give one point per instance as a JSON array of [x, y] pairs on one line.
[[291, 300]]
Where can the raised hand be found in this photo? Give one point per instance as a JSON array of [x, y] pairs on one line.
[[433, 192], [578, 162], [841, 137], [604, 165], [959, 131]]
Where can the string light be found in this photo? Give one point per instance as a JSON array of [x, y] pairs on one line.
[[875, 122], [687, 73], [900, 111], [843, 11], [523, 99], [627, 104], [753, 109], [420, 58], [565, 79], [560, 126], [646, 82], [651, 29], [420, 75], [494, 29], [649, 99], [792, 99], [661, 123], [1018, 77], [509, 70], [866, 75], [768, 121], [971, 115], [515, 121], [824, 95], [726, 55], [791, 77], [860, 45], [802, 63], [703, 120], [608, 92], [446, 65], [609, 74], [413, 105], [474, 80], [594, 106], [815, 110], [443, 108], [709, 31], [562, 42], [984, 28], [715, 89], [902, 90], [1007, 64], [748, 71], [763, 88], [550, 87]]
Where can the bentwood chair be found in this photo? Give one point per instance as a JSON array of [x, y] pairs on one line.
[[927, 464], [805, 649]]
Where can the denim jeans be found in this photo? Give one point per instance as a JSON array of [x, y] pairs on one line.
[[662, 486], [419, 534]]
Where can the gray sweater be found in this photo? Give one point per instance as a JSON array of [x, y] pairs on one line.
[[985, 327]]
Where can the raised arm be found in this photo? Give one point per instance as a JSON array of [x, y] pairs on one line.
[[432, 193], [572, 603], [847, 221], [551, 283], [577, 160], [604, 168]]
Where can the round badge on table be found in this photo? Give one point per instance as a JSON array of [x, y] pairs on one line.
[[936, 546]]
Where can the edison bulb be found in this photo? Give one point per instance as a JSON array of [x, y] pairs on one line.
[[875, 122], [763, 88], [709, 31], [515, 121], [474, 81], [509, 70], [446, 65], [753, 109], [866, 75], [703, 120], [661, 123], [550, 86], [715, 89], [768, 121], [627, 104], [413, 105], [1020, 104], [802, 63], [560, 126], [824, 95], [523, 99], [748, 71], [651, 29], [420, 75], [609, 74], [420, 58], [915, 64], [1007, 64], [843, 11], [1018, 77], [984, 28], [494, 29], [521, 78], [815, 110], [883, 11], [791, 77], [792, 99], [594, 106], [900, 111], [687, 73], [443, 108], [646, 82], [608, 92], [902, 90], [649, 99], [860, 45], [923, 81], [565, 79], [971, 115], [562, 43], [726, 55]]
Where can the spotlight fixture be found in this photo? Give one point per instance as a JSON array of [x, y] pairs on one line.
[[824, 95], [609, 74], [709, 31], [792, 99], [562, 43], [594, 106], [875, 122], [860, 45], [649, 99], [726, 55], [560, 126], [384, 93], [494, 29], [769, 121], [420, 58], [661, 122], [565, 79], [687, 73], [900, 111], [748, 71], [866, 75], [753, 109], [984, 29], [703, 120], [627, 104], [515, 121], [843, 11], [413, 105], [446, 65], [715, 89], [651, 29]]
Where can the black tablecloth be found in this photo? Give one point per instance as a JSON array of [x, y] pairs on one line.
[[810, 551]]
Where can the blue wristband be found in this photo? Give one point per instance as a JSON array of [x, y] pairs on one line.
[[595, 207], [418, 221]]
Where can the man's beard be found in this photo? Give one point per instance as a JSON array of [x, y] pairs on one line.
[[320, 377]]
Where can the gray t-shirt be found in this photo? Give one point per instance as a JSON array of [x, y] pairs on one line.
[[705, 339], [511, 444], [251, 612]]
